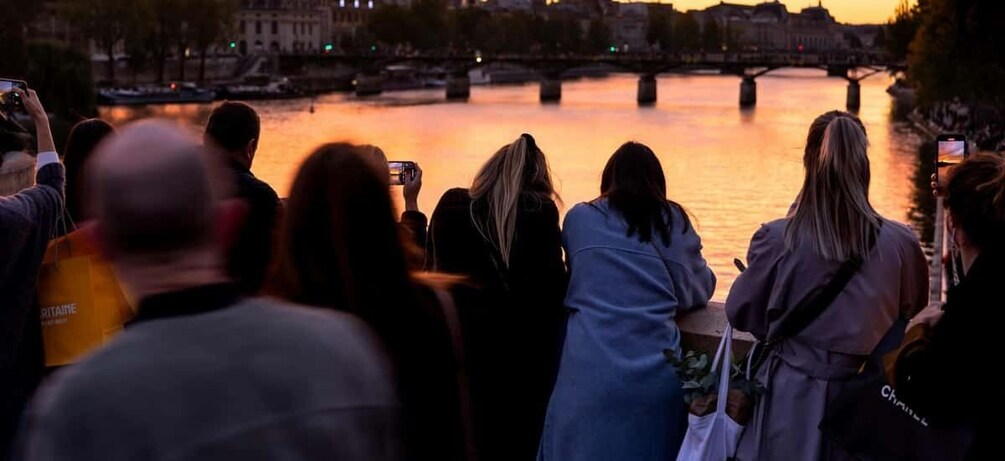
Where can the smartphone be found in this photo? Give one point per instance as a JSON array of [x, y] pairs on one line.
[[952, 150], [9, 100], [401, 172]]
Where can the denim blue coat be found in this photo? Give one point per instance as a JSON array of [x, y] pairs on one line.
[[616, 397]]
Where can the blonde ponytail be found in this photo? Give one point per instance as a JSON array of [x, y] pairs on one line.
[[516, 169], [834, 215]]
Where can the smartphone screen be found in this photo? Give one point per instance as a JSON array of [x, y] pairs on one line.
[[8, 99], [401, 172], [952, 150]]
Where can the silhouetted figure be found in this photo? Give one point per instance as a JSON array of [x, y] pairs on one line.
[[80, 146], [341, 248], [635, 261], [503, 234], [27, 222], [200, 373], [966, 335], [235, 130]]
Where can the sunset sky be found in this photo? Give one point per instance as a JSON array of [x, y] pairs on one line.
[[846, 11]]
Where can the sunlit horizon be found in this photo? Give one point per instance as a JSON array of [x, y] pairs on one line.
[[845, 11]]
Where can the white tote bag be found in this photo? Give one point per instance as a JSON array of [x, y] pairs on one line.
[[714, 437]]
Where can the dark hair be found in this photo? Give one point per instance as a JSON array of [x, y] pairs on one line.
[[975, 197], [84, 138], [233, 125], [815, 137], [340, 245], [633, 183]]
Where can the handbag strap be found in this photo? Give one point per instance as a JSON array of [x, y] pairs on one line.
[[446, 302], [803, 314], [723, 363]]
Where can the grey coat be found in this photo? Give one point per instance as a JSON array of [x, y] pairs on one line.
[[256, 381], [805, 372]]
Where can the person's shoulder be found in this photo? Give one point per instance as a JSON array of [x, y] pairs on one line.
[[290, 318], [901, 236], [453, 200], [774, 228], [583, 210], [457, 194], [770, 236], [900, 231], [250, 187], [585, 218]]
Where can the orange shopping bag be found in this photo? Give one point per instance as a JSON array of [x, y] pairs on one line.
[[82, 304]]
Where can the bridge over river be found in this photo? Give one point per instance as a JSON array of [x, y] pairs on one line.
[[853, 66]]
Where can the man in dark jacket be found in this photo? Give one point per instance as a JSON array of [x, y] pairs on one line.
[[234, 130], [200, 373], [27, 221]]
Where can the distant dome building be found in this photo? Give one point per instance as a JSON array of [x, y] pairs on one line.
[[770, 26], [770, 12]]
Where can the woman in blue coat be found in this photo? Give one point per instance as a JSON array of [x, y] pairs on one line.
[[635, 261]]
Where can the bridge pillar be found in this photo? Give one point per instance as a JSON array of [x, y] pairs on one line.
[[647, 89], [854, 95], [369, 85], [458, 87], [551, 89], [748, 92]]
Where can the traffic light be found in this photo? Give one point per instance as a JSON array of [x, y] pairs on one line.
[[613, 49], [329, 47], [233, 45]]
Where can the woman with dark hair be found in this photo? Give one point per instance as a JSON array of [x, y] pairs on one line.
[[340, 248], [84, 138], [635, 262], [502, 234], [831, 230], [964, 334]]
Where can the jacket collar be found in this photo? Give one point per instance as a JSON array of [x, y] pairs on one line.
[[190, 301]]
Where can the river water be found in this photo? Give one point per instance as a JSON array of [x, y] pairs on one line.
[[733, 169]]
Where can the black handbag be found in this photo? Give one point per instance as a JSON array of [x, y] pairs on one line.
[[868, 421]]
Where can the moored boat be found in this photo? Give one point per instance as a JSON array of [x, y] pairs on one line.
[[174, 93], [259, 87]]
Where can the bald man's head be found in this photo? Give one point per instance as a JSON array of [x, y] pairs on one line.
[[154, 191]]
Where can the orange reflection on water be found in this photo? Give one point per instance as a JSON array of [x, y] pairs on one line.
[[733, 169]]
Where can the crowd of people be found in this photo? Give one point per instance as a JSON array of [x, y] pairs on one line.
[[983, 124], [326, 326]]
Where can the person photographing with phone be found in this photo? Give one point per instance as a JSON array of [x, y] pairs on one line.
[[27, 221], [962, 335], [413, 221]]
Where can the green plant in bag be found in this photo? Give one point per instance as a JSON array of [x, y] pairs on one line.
[[700, 382]]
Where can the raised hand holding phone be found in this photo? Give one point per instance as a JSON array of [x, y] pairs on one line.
[[34, 108], [413, 185], [10, 99], [952, 149]]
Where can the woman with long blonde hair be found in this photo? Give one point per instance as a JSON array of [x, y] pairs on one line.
[[833, 226], [502, 234]]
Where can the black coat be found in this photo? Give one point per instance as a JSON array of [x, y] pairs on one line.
[[251, 254], [950, 377], [512, 324]]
